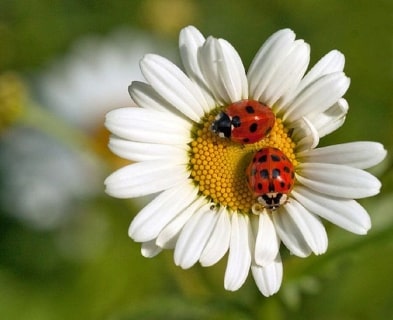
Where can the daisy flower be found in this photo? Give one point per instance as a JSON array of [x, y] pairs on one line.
[[204, 207]]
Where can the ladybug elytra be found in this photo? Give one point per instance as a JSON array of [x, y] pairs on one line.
[[270, 177], [245, 121]]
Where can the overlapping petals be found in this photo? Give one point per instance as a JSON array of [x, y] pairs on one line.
[[157, 134]]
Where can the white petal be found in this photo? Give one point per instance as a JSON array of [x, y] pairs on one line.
[[289, 232], [362, 154], [194, 237], [150, 249], [338, 180], [218, 243], [268, 278], [288, 74], [146, 97], [311, 227], [331, 119], [332, 62], [267, 60], [138, 151], [347, 214], [190, 42], [170, 233], [174, 86], [239, 258], [144, 125], [158, 213], [304, 133], [318, 96], [223, 70], [143, 178], [267, 242]]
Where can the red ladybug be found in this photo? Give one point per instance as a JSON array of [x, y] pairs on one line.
[[270, 177], [245, 121]]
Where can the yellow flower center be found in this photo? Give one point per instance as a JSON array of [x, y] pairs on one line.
[[218, 165]]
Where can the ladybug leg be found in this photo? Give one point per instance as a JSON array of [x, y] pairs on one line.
[[257, 208]]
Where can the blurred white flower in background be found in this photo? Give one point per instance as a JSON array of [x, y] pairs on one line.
[[44, 180], [94, 77]]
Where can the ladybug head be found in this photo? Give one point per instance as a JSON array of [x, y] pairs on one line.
[[222, 125], [272, 200]]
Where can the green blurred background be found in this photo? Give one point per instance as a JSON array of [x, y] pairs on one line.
[[64, 249]]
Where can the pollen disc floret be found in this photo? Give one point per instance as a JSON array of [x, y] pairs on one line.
[[218, 166]]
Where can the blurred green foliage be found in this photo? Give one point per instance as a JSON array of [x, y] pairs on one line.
[[88, 268]]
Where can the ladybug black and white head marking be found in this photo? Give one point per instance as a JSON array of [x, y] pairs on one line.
[[223, 125], [272, 200]]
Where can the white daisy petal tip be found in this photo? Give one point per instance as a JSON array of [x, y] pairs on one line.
[[223, 70], [268, 278]]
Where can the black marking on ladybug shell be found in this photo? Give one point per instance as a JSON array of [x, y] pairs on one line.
[[246, 140], [287, 170], [282, 184], [259, 186], [264, 173], [253, 127], [275, 157], [276, 173], [250, 109], [271, 186], [236, 121], [262, 159]]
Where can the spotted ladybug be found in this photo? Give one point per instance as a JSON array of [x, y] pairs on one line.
[[270, 177], [245, 121]]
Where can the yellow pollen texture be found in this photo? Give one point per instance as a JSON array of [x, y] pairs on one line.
[[218, 165]]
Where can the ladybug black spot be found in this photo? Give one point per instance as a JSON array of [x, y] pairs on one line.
[[249, 109], [276, 173], [287, 170], [253, 127], [264, 174], [282, 184], [236, 121], [275, 157], [271, 187], [262, 158], [259, 186], [245, 140]]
